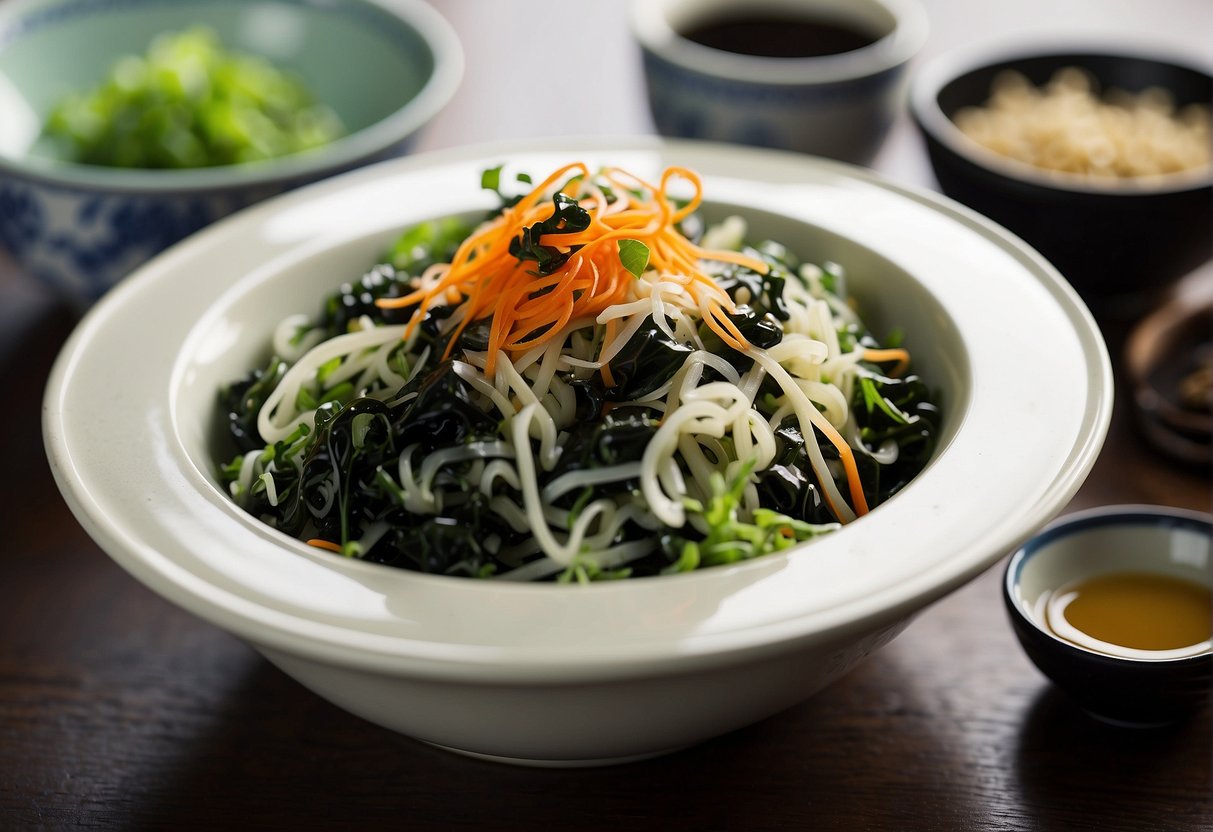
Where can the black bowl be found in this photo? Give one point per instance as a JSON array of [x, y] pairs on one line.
[[1117, 244], [1132, 691]]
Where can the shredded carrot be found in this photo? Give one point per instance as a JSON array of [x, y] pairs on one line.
[[321, 543], [845, 454], [901, 356], [528, 310], [854, 483]]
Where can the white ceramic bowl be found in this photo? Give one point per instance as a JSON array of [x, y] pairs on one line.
[[556, 673], [840, 106], [82, 228]]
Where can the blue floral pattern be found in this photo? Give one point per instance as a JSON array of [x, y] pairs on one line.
[[84, 243], [21, 219]]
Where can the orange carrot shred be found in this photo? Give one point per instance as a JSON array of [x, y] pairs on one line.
[[901, 356], [528, 310]]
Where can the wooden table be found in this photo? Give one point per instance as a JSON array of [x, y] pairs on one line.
[[117, 710]]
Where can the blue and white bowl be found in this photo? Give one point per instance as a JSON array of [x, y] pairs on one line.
[[840, 106], [387, 67]]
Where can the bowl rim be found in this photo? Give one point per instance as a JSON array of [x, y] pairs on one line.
[[344, 152], [941, 70], [654, 33], [1078, 522], [670, 646]]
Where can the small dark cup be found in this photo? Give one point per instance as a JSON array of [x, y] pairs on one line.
[[1140, 691], [1119, 244]]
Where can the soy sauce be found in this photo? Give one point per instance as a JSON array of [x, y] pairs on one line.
[[1141, 611], [769, 36]]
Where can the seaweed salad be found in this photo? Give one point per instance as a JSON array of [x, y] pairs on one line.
[[588, 384]]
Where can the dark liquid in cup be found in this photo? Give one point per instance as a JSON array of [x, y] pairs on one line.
[[769, 36]]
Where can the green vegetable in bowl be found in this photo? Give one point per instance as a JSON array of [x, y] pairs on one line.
[[190, 103]]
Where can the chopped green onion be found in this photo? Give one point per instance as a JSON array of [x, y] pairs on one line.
[[190, 103]]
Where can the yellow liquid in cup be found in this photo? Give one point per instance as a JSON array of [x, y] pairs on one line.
[[1141, 611]]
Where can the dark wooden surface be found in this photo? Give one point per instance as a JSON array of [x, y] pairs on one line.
[[119, 711]]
